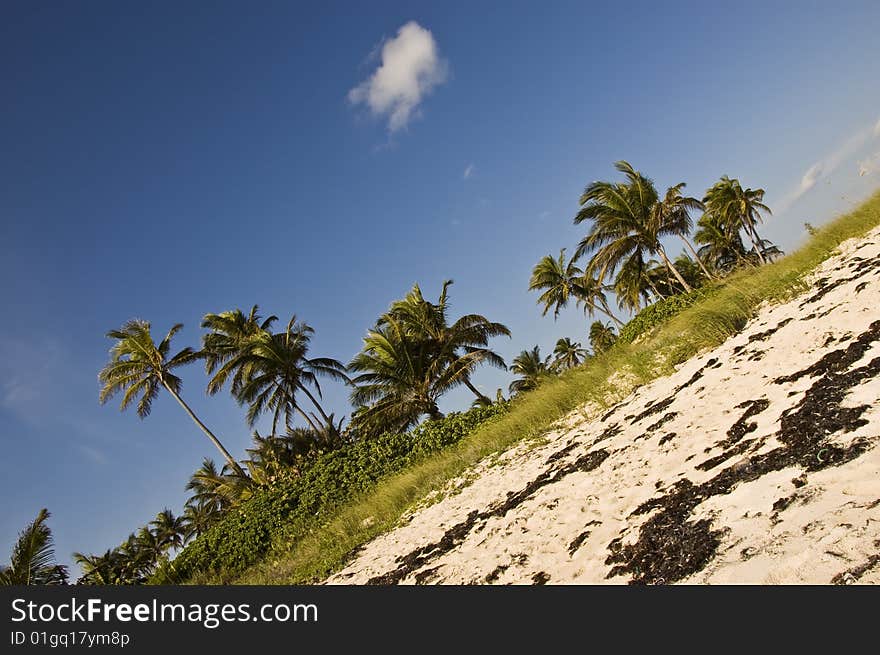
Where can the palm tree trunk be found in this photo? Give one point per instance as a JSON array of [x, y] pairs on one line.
[[608, 313], [753, 237], [672, 268], [657, 294], [477, 392], [697, 258], [229, 459]]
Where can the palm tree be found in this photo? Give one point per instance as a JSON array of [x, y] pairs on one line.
[[738, 208], [673, 215], [400, 378], [568, 354], [198, 517], [469, 334], [276, 370], [632, 284], [625, 220], [168, 529], [413, 356], [33, 557], [99, 569], [140, 367], [218, 490], [602, 337], [719, 246], [562, 281], [224, 348], [531, 369]]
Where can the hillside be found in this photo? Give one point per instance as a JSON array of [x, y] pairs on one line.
[[753, 462]]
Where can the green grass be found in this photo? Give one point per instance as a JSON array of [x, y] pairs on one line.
[[603, 381]]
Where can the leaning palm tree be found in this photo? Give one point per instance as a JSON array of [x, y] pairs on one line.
[[602, 337], [33, 557], [277, 370], [561, 281], [568, 354], [739, 208], [469, 334], [139, 367], [624, 220], [530, 368]]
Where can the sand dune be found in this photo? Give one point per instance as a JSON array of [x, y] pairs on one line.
[[753, 463]]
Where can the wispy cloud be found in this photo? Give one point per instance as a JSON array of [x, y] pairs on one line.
[[409, 69], [468, 171], [92, 454], [824, 167], [870, 165]]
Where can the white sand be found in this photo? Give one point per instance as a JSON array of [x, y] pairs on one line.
[[830, 528]]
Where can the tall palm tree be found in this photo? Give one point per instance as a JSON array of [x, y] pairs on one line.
[[33, 557], [531, 368], [602, 337], [139, 367], [562, 281], [624, 220], [469, 334], [277, 370], [568, 354], [739, 208]]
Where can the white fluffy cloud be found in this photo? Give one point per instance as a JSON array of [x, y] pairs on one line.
[[409, 69], [877, 128], [468, 171]]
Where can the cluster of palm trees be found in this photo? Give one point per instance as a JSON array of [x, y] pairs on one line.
[[135, 560], [413, 355], [628, 223]]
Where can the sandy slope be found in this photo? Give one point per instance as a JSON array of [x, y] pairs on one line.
[[753, 463]]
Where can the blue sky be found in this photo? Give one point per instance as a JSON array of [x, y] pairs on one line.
[[170, 160]]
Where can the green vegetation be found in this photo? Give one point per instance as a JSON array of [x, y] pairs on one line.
[[287, 511], [306, 496], [658, 313], [603, 380]]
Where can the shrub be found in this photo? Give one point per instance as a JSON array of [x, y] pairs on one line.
[[290, 509], [658, 313]]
